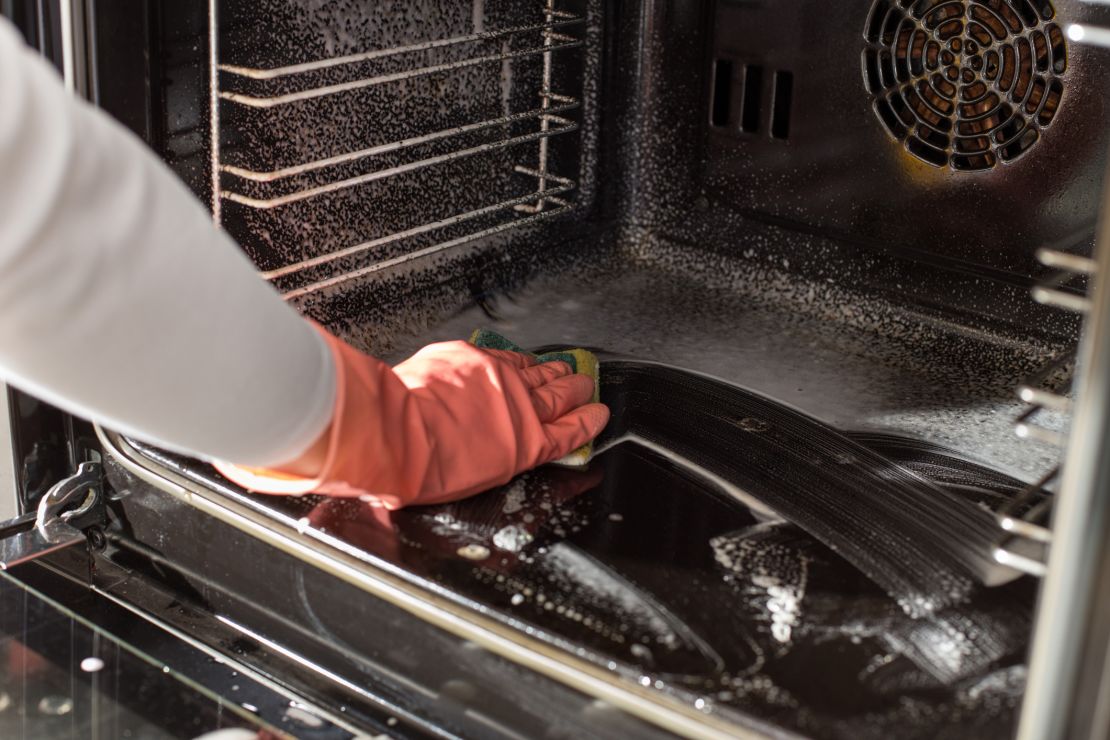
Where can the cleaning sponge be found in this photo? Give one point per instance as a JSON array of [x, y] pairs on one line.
[[580, 360]]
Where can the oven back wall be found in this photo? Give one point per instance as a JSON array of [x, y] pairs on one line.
[[758, 123]]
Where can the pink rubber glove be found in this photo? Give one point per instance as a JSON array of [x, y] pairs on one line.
[[451, 421]]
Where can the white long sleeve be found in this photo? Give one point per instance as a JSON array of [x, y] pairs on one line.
[[120, 301]]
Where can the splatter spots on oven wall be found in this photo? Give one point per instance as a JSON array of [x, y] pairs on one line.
[[314, 184]]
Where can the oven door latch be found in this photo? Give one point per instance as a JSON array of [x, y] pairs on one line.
[[72, 503]]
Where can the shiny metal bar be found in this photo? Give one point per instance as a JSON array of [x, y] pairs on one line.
[[1025, 555], [1060, 299], [407, 234], [9, 488], [408, 74], [1026, 429], [1067, 261], [419, 254], [566, 126], [1026, 525], [1045, 399], [1092, 35], [1027, 529], [1025, 546], [1068, 686], [69, 54], [256, 73], [550, 176], [1049, 293], [214, 109], [393, 146], [36, 542], [548, 43]]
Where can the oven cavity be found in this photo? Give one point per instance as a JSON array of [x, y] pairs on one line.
[[965, 84]]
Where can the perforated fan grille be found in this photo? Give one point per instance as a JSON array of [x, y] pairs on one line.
[[965, 84]]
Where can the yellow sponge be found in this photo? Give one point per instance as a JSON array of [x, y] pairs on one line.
[[580, 360]]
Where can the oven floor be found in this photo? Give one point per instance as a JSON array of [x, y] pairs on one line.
[[642, 566], [645, 567], [851, 363]]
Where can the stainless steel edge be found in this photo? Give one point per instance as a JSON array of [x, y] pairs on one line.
[[667, 713], [75, 66], [238, 666], [214, 107], [1067, 670], [230, 707], [9, 488]]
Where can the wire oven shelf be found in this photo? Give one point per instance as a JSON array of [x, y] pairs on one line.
[[1027, 536], [522, 136]]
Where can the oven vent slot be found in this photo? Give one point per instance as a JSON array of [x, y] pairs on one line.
[[721, 111], [1024, 520], [404, 152]]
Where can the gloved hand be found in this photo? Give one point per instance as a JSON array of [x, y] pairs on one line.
[[451, 421]]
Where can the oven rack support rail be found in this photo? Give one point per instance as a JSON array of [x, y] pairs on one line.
[[1069, 666], [548, 198], [1026, 536]]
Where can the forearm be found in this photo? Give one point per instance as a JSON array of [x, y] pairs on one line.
[[120, 300]]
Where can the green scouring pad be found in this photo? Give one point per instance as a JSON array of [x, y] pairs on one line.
[[580, 361]]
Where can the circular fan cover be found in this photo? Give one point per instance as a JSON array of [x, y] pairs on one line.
[[965, 84]]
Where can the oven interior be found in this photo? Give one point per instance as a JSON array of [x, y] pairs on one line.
[[846, 210]]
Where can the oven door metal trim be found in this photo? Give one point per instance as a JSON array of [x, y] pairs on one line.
[[9, 484], [428, 606]]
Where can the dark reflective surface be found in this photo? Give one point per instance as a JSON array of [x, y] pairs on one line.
[[59, 678], [646, 568]]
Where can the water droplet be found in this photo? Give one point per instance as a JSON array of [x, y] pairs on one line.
[[614, 517], [55, 706], [473, 552], [517, 599], [92, 665], [5, 700], [391, 721], [303, 524], [249, 707]]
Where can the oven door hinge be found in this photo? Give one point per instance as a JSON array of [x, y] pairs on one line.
[[71, 504]]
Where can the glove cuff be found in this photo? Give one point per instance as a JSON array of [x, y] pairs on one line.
[[329, 480]]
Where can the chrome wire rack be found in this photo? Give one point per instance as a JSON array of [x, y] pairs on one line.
[[1024, 520], [516, 143]]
